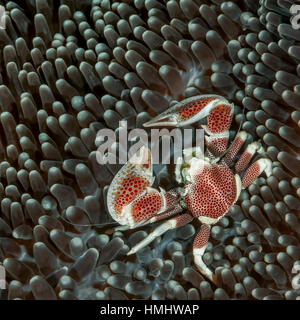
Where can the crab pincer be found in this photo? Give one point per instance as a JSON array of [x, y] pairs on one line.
[[132, 201], [215, 108]]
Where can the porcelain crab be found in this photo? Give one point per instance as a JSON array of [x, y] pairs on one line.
[[211, 184]]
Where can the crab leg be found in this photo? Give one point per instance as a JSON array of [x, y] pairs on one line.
[[177, 209], [246, 156], [255, 170], [199, 246], [216, 144], [234, 148], [155, 218], [165, 226], [217, 110]]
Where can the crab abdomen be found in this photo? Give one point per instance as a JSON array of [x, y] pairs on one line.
[[212, 193]]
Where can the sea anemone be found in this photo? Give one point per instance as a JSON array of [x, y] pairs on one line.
[[70, 68]]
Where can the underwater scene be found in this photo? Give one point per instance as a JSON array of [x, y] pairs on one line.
[[149, 150]]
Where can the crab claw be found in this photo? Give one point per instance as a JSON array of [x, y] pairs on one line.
[[187, 111], [150, 204], [217, 128], [131, 201], [129, 183]]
